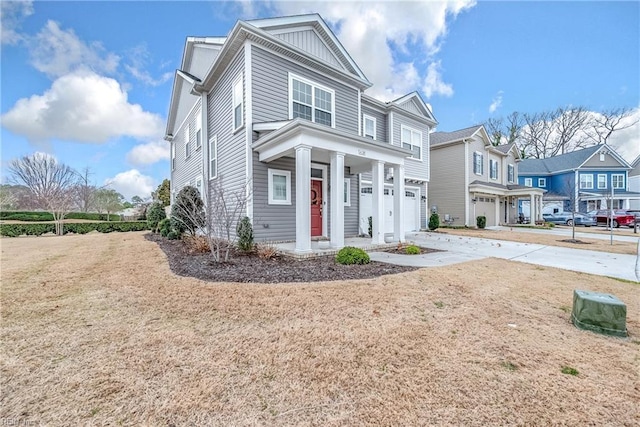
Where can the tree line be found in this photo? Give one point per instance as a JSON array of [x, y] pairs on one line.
[[562, 130]]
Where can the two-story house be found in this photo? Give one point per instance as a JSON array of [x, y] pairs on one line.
[[584, 180], [470, 177], [276, 110]]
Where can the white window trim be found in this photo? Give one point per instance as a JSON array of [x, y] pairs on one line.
[[198, 129], [493, 162], [528, 182], [313, 85], [623, 183], [235, 102], [604, 187], [409, 128], [187, 141], [481, 155], [512, 168], [585, 175], [366, 117], [542, 182], [347, 183], [213, 155], [173, 155], [287, 175]]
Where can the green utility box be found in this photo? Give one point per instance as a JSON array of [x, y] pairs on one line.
[[598, 312]]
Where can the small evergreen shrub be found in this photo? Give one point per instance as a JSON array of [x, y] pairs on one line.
[[164, 226], [244, 230], [412, 250], [434, 221], [370, 226], [188, 210], [350, 255], [38, 229], [155, 215], [173, 235], [38, 216], [481, 221]]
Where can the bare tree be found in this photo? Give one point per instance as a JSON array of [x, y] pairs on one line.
[[8, 197], [50, 183], [551, 133], [505, 130], [536, 134], [85, 191], [606, 122]]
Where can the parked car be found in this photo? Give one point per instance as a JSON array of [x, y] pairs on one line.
[[567, 218], [620, 217]]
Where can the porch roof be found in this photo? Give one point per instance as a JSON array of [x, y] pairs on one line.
[[322, 139], [504, 190]]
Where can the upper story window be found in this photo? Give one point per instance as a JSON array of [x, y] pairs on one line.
[[311, 101], [369, 124], [542, 182], [511, 172], [237, 104], [617, 181], [187, 142], [173, 155], [412, 139], [602, 181], [478, 163], [213, 157], [528, 182], [199, 131], [493, 168], [586, 181]]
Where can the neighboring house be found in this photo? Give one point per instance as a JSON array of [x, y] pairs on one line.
[[471, 177], [277, 111], [634, 183], [583, 180]]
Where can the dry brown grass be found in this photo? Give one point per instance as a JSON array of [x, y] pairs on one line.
[[96, 330], [514, 235]]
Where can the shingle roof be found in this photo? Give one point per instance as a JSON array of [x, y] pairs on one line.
[[442, 137], [505, 147], [559, 163]]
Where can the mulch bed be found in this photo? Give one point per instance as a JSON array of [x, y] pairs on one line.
[[252, 269], [578, 242]]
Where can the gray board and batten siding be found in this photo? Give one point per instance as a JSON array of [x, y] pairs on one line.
[[309, 41]]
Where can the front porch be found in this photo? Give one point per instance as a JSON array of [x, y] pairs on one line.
[[364, 243]]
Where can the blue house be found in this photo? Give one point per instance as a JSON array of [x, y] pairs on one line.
[[592, 178]]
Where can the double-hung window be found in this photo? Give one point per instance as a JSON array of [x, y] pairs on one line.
[[602, 181], [213, 157], [311, 101], [586, 181], [617, 181], [199, 131], [528, 182], [542, 182], [493, 168], [237, 104], [187, 142], [279, 191], [346, 193], [478, 163], [510, 173], [369, 124], [173, 155], [412, 139]]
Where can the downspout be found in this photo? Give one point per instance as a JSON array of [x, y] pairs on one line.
[[204, 113], [466, 182]]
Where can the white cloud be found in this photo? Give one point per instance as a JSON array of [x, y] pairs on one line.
[[132, 183], [368, 30], [149, 153], [139, 58], [627, 141], [57, 52], [81, 107], [12, 13], [496, 102]]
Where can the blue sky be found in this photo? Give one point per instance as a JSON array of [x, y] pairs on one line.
[[90, 82]]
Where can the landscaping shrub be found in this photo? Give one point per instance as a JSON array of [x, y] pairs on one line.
[[266, 250], [173, 235], [46, 216], [412, 250], [434, 221], [350, 255], [197, 244], [155, 214], [481, 221], [164, 226], [188, 210], [14, 230], [244, 231]]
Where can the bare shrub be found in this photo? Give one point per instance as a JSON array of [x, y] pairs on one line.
[[197, 244], [266, 250]]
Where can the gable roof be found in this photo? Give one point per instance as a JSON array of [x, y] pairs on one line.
[[566, 162], [414, 103], [457, 135]]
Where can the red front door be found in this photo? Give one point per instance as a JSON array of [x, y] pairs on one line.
[[316, 208]]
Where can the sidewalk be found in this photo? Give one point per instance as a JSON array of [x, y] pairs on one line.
[[619, 235], [461, 249]]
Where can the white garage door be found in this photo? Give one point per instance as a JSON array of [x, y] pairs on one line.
[[487, 206], [411, 213]]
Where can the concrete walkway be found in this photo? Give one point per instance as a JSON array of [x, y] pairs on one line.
[[460, 249], [619, 235]]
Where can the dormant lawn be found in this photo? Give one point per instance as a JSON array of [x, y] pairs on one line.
[[96, 330]]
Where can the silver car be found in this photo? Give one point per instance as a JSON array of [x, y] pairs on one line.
[[567, 218]]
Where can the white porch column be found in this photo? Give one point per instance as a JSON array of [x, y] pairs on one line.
[[539, 210], [532, 209], [337, 200], [377, 210], [398, 203], [303, 199]]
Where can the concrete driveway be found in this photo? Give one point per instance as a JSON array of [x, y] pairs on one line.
[[461, 249]]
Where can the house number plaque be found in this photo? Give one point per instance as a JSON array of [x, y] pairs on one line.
[[362, 152]]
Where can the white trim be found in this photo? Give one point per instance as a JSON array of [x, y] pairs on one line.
[[186, 118], [601, 175], [366, 117], [481, 163], [187, 141], [412, 131], [466, 185], [287, 175], [528, 182], [359, 112], [205, 149], [173, 155], [390, 129], [198, 129], [590, 187], [249, 128], [542, 182], [313, 105], [347, 182], [213, 155], [624, 186], [235, 102], [493, 162], [513, 175]]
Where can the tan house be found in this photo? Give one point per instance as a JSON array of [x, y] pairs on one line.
[[471, 177]]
